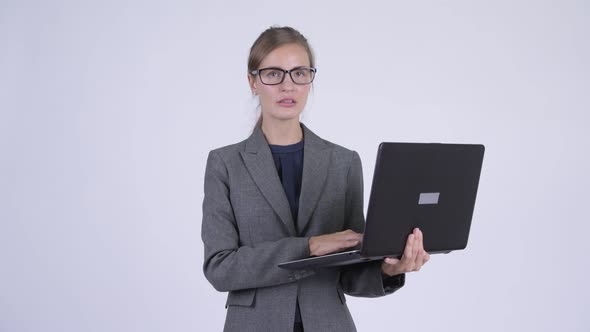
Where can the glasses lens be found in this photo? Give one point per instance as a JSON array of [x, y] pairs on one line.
[[302, 75], [271, 76]]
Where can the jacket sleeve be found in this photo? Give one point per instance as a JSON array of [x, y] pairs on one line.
[[228, 264], [365, 279]]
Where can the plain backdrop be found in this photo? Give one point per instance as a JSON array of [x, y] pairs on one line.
[[109, 108]]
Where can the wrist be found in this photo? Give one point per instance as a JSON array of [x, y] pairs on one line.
[[312, 246], [388, 270]]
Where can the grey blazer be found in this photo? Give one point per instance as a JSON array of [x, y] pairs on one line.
[[248, 229]]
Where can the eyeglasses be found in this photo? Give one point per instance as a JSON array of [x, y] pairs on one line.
[[276, 76]]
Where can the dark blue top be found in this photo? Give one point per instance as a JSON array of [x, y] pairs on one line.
[[289, 162]]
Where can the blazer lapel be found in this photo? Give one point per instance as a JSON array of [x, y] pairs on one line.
[[316, 161], [260, 164]]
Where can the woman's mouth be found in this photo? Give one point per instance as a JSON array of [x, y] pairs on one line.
[[287, 102]]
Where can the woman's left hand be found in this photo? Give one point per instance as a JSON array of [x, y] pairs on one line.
[[413, 259]]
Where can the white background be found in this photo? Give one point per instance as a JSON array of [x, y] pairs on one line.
[[108, 110]]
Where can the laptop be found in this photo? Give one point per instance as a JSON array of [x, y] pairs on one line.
[[432, 186]]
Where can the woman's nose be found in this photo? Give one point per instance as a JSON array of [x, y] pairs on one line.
[[287, 83]]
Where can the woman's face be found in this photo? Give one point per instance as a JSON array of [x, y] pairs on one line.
[[286, 100]]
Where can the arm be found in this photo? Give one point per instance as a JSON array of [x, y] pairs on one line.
[[228, 265], [364, 279]]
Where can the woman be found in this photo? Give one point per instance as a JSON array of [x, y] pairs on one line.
[[283, 194]]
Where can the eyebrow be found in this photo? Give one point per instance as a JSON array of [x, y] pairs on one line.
[[275, 67]]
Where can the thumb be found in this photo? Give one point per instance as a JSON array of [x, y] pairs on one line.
[[391, 261]]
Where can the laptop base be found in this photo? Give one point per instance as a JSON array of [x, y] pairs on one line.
[[330, 260]]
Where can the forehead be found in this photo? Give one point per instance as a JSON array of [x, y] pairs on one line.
[[286, 57]]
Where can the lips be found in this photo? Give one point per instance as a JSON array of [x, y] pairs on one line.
[[287, 102]]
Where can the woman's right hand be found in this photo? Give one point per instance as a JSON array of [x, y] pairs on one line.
[[331, 243]]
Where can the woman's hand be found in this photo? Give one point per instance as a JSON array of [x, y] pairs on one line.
[[330, 243], [413, 259]]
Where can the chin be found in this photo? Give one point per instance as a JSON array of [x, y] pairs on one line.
[[286, 114]]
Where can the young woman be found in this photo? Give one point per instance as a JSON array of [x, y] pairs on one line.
[[283, 194]]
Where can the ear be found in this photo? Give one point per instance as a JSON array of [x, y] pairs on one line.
[[253, 84]]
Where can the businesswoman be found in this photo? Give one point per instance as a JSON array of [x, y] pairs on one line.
[[282, 194]]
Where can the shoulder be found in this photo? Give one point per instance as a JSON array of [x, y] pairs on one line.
[[339, 153], [225, 157], [347, 158], [228, 151]]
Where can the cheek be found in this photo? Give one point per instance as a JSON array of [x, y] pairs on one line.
[[267, 94], [266, 99], [305, 89]]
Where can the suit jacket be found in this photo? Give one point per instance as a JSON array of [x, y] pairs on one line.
[[248, 230]]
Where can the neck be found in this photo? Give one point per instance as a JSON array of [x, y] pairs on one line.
[[282, 132]]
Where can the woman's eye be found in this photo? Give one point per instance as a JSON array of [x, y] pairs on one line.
[[272, 74], [301, 73]]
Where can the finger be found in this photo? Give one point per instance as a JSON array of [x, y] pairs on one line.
[[350, 232], [420, 250], [353, 240], [348, 244], [417, 247], [416, 262], [347, 238], [420, 237], [351, 235], [409, 249], [423, 258], [424, 254], [422, 241], [407, 257]]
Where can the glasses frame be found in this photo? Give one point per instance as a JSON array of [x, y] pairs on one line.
[[311, 69]]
